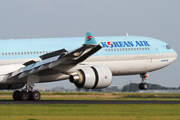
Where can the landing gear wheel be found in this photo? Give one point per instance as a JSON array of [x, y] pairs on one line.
[[36, 95], [30, 95], [16, 95], [145, 86], [141, 86], [24, 95]]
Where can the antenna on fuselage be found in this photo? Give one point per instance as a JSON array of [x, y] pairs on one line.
[[127, 34]]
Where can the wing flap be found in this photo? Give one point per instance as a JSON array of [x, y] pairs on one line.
[[15, 73], [40, 63], [43, 67], [55, 53]]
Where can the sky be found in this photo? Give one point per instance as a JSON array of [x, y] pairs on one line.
[[158, 19]]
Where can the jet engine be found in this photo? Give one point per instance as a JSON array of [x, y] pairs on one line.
[[92, 77]]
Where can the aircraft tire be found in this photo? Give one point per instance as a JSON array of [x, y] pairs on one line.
[[16, 95], [24, 95], [141, 86], [36, 95], [30, 95], [145, 86]]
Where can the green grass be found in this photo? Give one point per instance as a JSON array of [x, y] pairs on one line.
[[70, 98], [72, 93], [60, 93], [89, 112], [99, 96], [96, 93]]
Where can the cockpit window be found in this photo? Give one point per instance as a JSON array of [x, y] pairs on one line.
[[168, 47]]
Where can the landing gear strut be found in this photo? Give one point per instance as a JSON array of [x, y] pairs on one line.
[[26, 94], [143, 85]]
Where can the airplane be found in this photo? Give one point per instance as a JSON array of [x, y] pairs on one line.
[[88, 63]]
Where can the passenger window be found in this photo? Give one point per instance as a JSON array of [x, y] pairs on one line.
[[3, 54]]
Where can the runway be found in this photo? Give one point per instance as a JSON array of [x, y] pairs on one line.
[[89, 102]]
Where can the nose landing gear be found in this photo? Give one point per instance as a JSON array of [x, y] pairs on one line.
[[143, 85]]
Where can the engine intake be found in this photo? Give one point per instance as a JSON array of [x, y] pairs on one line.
[[92, 77]]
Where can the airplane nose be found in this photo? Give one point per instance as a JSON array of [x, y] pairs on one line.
[[172, 57], [176, 55]]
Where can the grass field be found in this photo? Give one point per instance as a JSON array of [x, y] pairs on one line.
[[89, 112], [99, 96]]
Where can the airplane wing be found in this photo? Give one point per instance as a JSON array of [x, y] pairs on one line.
[[59, 57]]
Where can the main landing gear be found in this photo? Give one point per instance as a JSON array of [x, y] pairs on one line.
[[26, 94], [143, 85]]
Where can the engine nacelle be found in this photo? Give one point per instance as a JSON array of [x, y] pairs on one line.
[[92, 77]]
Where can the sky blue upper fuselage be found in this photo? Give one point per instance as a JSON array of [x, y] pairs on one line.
[[9, 49]]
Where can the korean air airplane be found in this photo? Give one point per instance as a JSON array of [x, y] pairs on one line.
[[88, 62]]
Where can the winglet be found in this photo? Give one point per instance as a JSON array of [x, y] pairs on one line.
[[89, 39]]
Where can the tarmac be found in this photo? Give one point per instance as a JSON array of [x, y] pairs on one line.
[[89, 102]]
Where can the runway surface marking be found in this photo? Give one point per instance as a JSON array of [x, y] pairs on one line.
[[89, 102]]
